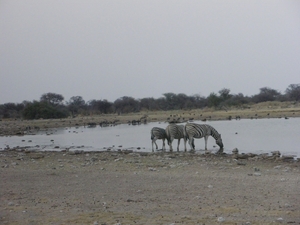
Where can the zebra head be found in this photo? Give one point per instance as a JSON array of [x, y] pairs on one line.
[[219, 141]]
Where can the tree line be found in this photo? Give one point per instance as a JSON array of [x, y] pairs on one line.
[[52, 105]]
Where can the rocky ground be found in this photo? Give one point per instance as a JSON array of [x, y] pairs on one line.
[[147, 188]]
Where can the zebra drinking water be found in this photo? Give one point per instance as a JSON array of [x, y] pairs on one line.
[[158, 133], [175, 132], [193, 130]]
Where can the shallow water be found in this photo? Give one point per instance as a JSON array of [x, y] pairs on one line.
[[255, 136]]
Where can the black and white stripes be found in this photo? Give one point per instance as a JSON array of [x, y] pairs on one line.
[[189, 131], [175, 132], [158, 133], [193, 130]]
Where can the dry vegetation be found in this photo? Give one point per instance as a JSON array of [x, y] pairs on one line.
[[261, 110]]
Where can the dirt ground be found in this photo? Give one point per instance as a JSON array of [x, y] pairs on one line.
[[147, 188]]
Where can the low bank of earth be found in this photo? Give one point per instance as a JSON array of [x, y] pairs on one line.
[[146, 188]]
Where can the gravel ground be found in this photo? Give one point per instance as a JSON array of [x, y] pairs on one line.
[[146, 188]]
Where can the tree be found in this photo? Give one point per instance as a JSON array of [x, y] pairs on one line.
[[11, 110], [45, 110], [75, 104], [213, 100], [102, 106], [171, 100], [224, 94], [126, 105], [293, 92], [148, 104], [266, 94], [52, 98]]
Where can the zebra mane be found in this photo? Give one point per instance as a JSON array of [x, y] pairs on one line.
[[214, 133]]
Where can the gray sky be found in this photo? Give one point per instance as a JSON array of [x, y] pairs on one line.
[[110, 49]]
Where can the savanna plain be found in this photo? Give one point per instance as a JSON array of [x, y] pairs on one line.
[[126, 187]]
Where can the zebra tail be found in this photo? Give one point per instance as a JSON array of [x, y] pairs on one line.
[[152, 136], [168, 136]]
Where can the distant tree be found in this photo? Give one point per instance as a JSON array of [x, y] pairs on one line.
[[101, 106], [237, 100], [126, 105], [11, 110], [266, 94], [293, 92], [213, 100], [75, 104], [224, 94], [148, 104], [45, 110], [52, 98], [171, 100], [199, 102]]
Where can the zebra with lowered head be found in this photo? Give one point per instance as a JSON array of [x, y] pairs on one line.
[[193, 130], [175, 132], [158, 133]]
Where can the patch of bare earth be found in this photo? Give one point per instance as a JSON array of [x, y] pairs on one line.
[[146, 188]]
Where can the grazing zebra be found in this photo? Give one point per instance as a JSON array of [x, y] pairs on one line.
[[158, 133], [193, 130], [175, 132]]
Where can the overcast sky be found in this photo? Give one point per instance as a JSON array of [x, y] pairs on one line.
[[110, 49]]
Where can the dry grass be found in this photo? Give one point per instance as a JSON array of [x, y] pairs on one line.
[[261, 110]]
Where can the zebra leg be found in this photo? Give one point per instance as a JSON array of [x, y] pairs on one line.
[[185, 140], [178, 145], [191, 140], [164, 145], [171, 147], [205, 138], [154, 142]]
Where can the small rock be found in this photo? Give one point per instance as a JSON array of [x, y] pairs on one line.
[[280, 219], [276, 153], [257, 174], [220, 219], [235, 151]]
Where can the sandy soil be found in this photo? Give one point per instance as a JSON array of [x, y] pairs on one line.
[[147, 188]]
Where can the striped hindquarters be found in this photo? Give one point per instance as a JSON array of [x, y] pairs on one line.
[[175, 131], [201, 130], [158, 133], [194, 130]]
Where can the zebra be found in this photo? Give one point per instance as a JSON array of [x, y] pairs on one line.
[[193, 130], [158, 133], [174, 131]]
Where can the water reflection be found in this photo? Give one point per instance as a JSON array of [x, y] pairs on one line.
[[256, 136]]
